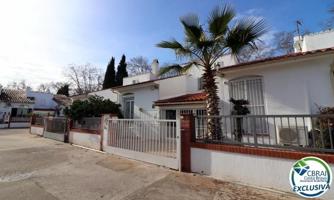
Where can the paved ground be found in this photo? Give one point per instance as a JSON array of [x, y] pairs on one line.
[[41, 169]]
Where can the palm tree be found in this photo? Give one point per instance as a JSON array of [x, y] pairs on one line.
[[204, 44]]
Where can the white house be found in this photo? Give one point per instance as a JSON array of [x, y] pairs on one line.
[[43, 102], [15, 108], [297, 83]]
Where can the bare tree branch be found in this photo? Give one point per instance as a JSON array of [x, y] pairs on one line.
[[138, 65], [84, 78]]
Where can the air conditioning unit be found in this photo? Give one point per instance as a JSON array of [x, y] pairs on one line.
[[292, 136]]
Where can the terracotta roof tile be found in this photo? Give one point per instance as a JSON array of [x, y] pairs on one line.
[[62, 100], [14, 96], [187, 98]]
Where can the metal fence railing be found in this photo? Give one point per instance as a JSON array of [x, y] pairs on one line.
[[39, 121], [89, 123], [304, 132], [158, 137], [55, 124]]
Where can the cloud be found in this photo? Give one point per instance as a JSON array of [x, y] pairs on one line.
[[38, 39]]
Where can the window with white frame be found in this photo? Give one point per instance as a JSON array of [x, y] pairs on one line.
[[251, 89], [128, 106]]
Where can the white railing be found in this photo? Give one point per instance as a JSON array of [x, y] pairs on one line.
[[156, 137]]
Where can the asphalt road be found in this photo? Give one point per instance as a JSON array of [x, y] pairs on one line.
[[36, 168]]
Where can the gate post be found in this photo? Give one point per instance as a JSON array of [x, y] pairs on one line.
[[105, 129], [187, 130], [32, 121], [69, 126]]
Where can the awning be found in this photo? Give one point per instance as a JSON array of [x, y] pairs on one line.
[[195, 98]]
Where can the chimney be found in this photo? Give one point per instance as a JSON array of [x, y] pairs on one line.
[[155, 67]]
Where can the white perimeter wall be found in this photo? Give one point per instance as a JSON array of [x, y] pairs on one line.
[[289, 88], [260, 171], [19, 125], [36, 130], [85, 139], [3, 125], [318, 40]]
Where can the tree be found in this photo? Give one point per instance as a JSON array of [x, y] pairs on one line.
[[94, 106], [44, 87], [51, 87], [329, 23], [64, 90], [223, 34], [55, 86], [109, 77], [121, 71], [84, 78], [262, 51], [139, 65], [283, 42], [22, 85], [281, 45]]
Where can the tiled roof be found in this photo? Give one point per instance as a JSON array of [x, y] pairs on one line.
[[14, 96], [187, 98], [80, 97], [279, 58], [62, 100]]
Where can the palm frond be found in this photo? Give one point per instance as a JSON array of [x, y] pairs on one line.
[[179, 49], [219, 19], [192, 29], [176, 68], [244, 34], [187, 66], [164, 70]]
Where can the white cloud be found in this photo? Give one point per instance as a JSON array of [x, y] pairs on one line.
[[38, 39]]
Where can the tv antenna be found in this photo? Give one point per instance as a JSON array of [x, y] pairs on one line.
[[298, 25]]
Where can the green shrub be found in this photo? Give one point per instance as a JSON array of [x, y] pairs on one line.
[[94, 106]]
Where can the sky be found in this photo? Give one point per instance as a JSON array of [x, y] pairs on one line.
[[40, 38]]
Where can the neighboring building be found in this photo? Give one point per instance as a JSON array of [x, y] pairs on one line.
[[43, 102], [14, 106], [297, 83]]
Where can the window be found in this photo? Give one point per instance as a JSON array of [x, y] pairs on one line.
[[128, 107], [201, 83], [31, 98], [250, 89], [170, 114]]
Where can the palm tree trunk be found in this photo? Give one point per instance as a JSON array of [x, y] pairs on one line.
[[212, 104]]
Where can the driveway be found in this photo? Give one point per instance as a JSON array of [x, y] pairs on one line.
[[36, 168]]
